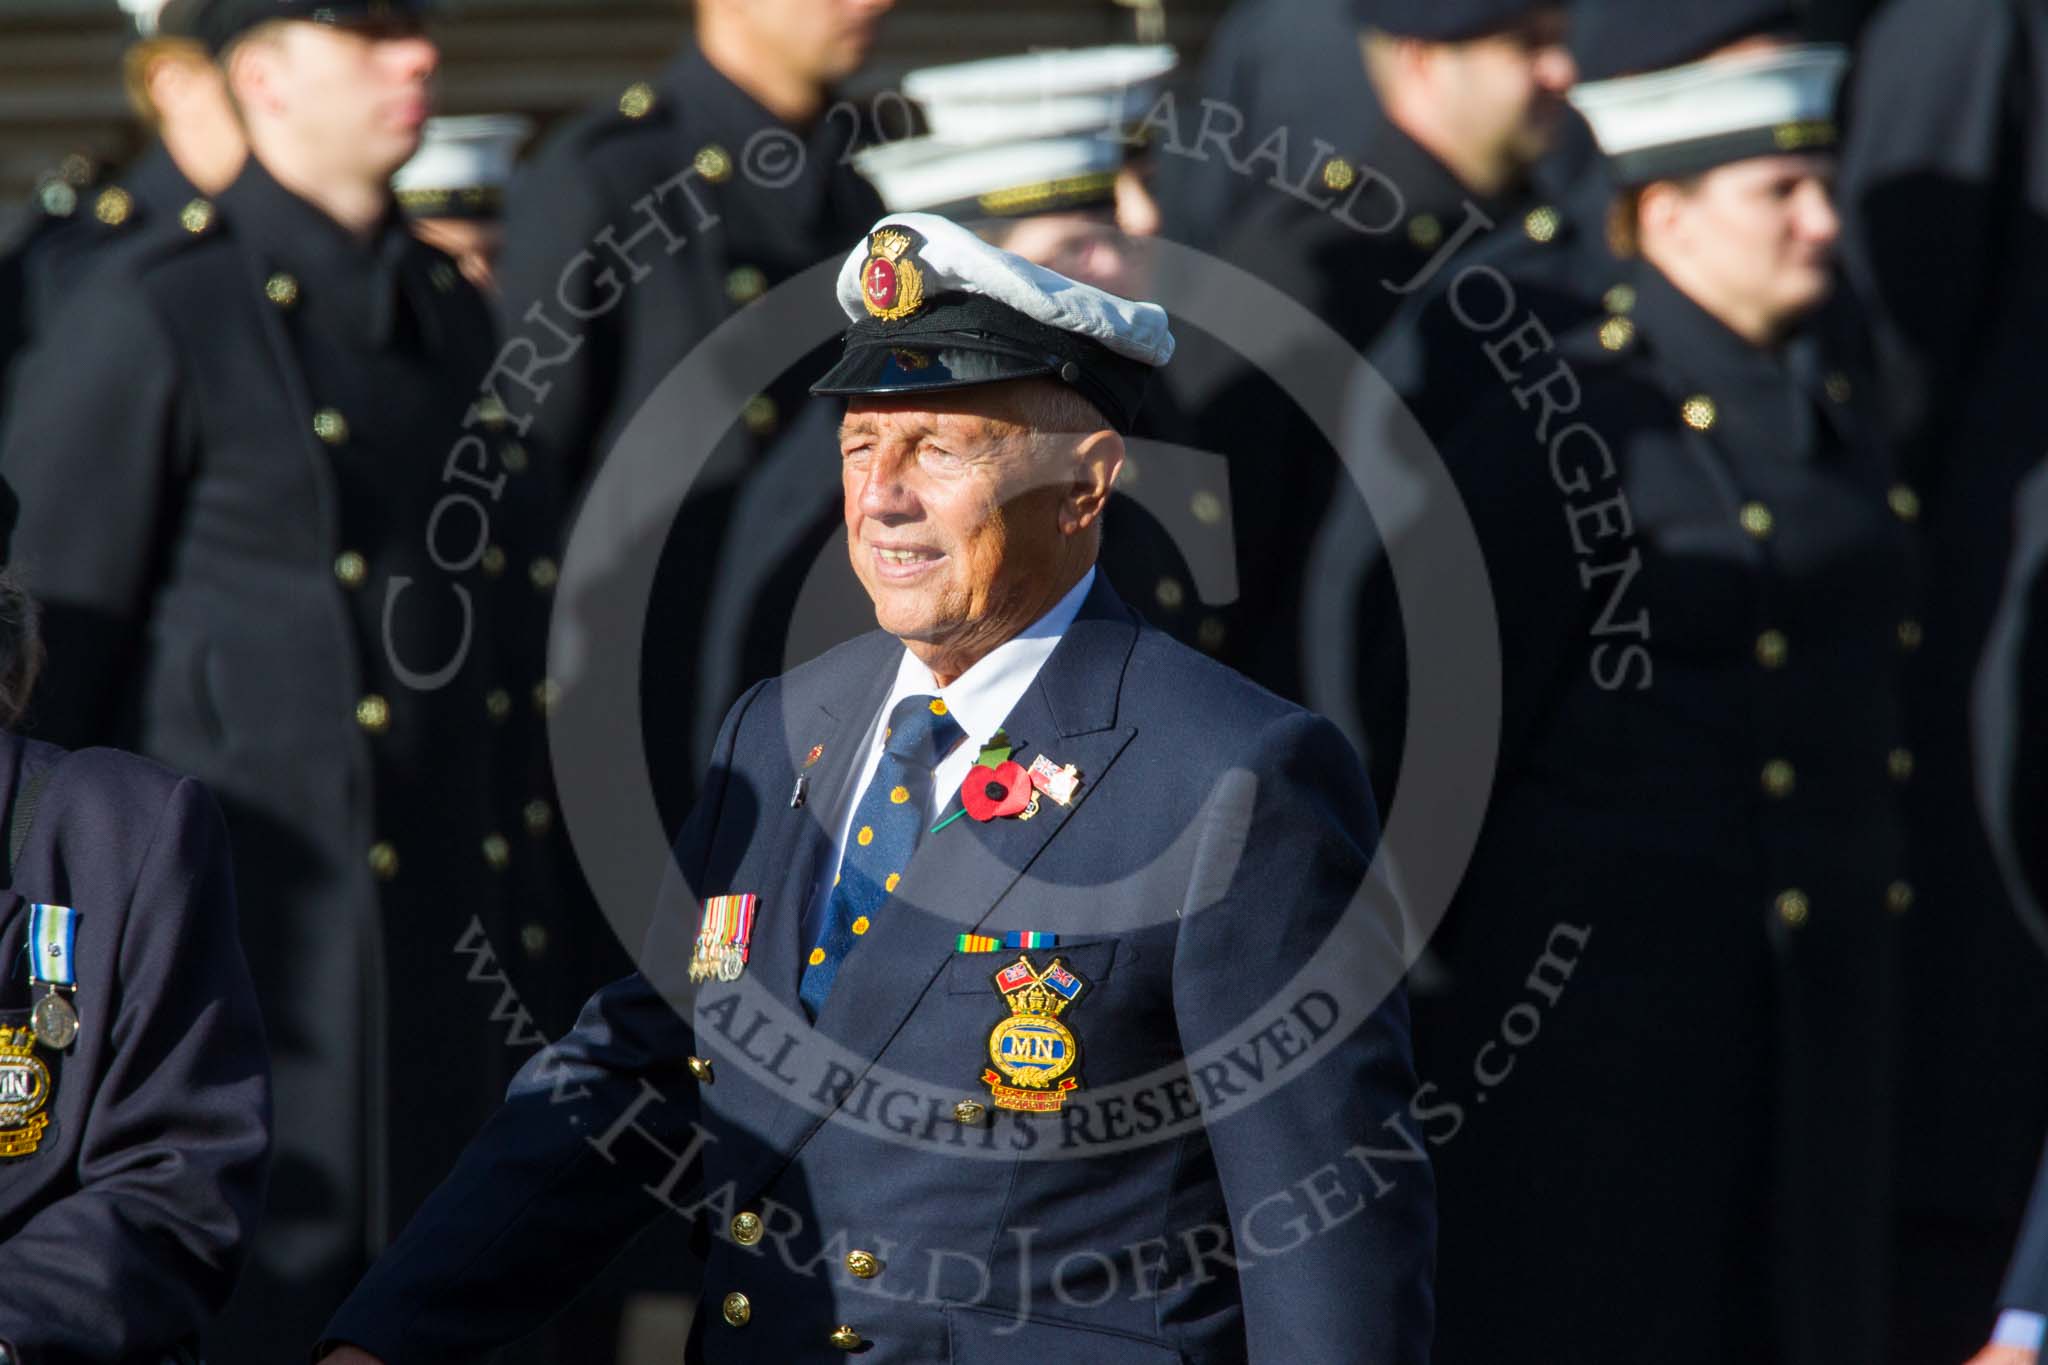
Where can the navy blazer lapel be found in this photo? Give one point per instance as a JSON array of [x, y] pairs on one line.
[[1070, 714], [836, 716]]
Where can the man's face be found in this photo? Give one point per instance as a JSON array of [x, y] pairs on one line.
[[963, 523], [355, 97], [1505, 92], [1759, 236], [823, 41]]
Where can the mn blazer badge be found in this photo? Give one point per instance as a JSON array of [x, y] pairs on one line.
[[1032, 1049]]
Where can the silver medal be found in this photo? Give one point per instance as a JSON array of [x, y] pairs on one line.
[[55, 1022]]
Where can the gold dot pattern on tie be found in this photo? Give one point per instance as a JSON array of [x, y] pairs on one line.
[[887, 822]]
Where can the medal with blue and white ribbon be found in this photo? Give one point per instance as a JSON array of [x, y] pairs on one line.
[[52, 938]]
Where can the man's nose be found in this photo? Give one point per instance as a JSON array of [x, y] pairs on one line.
[[1556, 69], [416, 56], [883, 491], [1819, 222]]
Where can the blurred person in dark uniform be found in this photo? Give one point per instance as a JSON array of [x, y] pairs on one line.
[[134, 1089], [51, 207], [640, 228], [1664, 1047], [1472, 95], [1555, 257], [1556, 269], [285, 547], [1277, 74], [453, 189], [1945, 192], [197, 148]]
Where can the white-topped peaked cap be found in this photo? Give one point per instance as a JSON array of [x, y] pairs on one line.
[[462, 167], [954, 260], [936, 307], [1040, 94], [996, 179], [1020, 135], [1706, 114], [144, 14]]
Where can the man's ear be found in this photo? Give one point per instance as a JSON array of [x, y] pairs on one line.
[[253, 72], [1097, 459], [1657, 210]]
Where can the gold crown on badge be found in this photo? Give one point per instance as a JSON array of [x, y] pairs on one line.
[[891, 283]]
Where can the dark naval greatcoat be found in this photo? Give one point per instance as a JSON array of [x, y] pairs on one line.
[[1669, 1006], [283, 546], [1944, 189], [1348, 243], [633, 235]]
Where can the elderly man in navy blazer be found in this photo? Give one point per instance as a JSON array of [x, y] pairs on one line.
[[1020, 998]]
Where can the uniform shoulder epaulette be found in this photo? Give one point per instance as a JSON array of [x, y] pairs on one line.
[[1610, 336], [638, 100], [115, 209], [640, 106], [197, 232], [61, 192]]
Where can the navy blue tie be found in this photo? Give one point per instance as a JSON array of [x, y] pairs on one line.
[[886, 825]]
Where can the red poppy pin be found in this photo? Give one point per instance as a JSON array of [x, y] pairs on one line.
[[1002, 790]]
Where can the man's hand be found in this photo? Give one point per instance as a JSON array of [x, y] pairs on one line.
[[1990, 1355], [356, 1355]]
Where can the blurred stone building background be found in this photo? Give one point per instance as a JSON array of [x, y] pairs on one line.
[[62, 110]]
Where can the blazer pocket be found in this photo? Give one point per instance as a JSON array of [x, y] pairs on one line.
[[974, 973], [993, 1336]]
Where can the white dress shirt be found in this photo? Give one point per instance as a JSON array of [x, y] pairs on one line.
[[2018, 1327], [980, 699]]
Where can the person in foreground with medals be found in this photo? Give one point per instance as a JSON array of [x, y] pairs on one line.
[[988, 1040], [134, 1081]]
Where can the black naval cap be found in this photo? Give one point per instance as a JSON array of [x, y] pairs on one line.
[[935, 307], [219, 22], [1616, 37], [1446, 21]]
